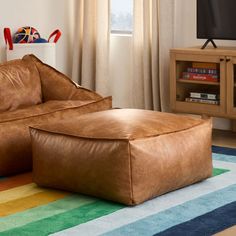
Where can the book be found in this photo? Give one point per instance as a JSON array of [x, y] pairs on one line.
[[204, 65], [205, 101], [201, 77], [204, 95], [203, 71]]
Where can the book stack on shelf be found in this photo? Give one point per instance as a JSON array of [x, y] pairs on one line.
[[206, 98], [201, 71]]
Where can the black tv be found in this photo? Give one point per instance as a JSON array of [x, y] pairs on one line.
[[216, 19]]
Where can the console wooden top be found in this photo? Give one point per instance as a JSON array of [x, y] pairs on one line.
[[228, 51]]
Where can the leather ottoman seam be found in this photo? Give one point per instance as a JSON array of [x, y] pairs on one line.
[[126, 139], [130, 175]]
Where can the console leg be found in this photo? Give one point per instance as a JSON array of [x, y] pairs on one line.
[[234, 125]]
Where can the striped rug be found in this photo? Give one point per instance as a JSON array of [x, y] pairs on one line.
[[205, 208]]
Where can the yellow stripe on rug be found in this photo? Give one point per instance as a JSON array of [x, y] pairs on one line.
[[32, 201], [19, 192]]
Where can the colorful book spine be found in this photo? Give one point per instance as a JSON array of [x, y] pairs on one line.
[[205, 101], [204, 96], [201, 77], [203, 71], [204, 65]]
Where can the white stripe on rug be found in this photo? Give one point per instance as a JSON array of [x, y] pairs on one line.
[[225, 165], [131, 214]]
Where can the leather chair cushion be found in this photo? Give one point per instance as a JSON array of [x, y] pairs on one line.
[[57, 86], [123, 155], [20, 85], [15, 144], [41, 109]]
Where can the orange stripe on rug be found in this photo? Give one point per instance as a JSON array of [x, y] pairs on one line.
[[19, 192], [16, 181], [29, 202], [227, 232]]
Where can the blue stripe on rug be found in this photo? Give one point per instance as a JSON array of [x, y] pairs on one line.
[[224, 150], [176, 215], [207, 225], [223, 157]]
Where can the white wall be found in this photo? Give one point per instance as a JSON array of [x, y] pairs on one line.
[[185, 26], [44, 15], [185, 36]]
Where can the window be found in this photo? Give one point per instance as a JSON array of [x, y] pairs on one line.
[[122, 16]]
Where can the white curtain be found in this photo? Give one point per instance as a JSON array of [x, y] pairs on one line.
[[91, 45], [152, 38], [146, 84], [166, 42]]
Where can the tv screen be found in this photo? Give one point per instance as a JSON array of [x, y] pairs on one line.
[[216, 19]]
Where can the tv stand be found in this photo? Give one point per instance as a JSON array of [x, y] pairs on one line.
[[185, 60], [209, 41]]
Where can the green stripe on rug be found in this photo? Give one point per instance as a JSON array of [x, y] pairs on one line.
[[42, 212], [65, 220], [218, 171]]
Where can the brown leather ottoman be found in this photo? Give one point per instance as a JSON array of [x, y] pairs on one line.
[[124, 155]]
